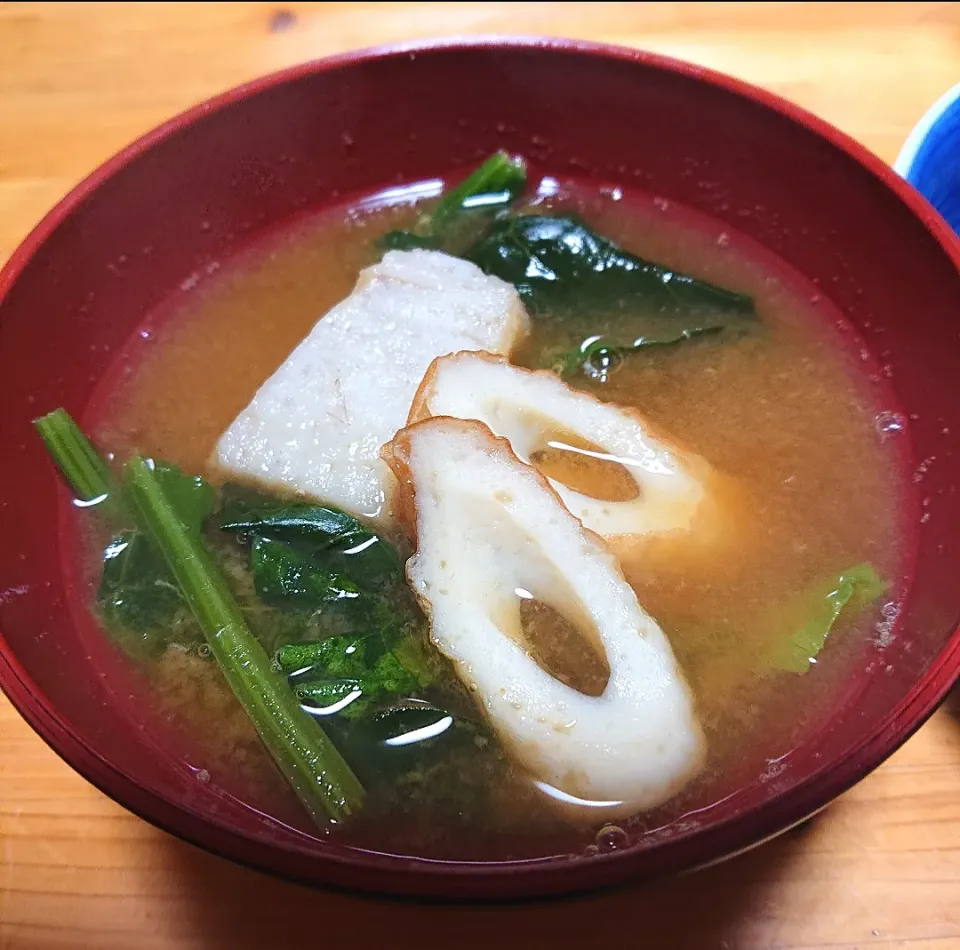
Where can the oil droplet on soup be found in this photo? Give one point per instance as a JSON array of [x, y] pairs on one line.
[[782, 411]]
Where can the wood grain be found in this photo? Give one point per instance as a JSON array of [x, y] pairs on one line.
[[879, 869]]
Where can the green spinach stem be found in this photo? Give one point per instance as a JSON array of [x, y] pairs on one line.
[[308, 759], [79, 462]]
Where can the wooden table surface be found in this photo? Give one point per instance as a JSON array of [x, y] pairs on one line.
[[879, 869]]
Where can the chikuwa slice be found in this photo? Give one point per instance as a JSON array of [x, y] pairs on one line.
[[491, 533], [315, 427], [608, 467]]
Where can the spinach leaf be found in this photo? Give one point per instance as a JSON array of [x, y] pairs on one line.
[[389, 668], [326, 672], [850, 591], [405, 724], [139, 598], [346, 547], [327, 697], [139, 592], [344, 657], [325, 784], [191, 497], [497, 183], [389, 702], [282, 573], [412, 754], [354, 698], [559, 265], [328, 577], [597, 358], [247, 511]]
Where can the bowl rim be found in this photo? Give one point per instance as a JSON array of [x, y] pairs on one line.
[[369, 871]]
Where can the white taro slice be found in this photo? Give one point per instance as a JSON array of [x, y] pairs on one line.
[[315, 427], [533, 410], [490, 531]]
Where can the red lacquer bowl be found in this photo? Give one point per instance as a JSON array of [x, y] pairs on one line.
[[129, 234]]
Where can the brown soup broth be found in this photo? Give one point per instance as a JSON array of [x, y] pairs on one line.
[[784, 411]]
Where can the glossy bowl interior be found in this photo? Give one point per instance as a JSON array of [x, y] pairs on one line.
[[76, 289]]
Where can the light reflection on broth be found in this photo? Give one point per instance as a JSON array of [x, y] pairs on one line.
[[779, 412]]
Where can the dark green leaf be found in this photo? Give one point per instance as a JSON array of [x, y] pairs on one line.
[[253, 513], [140, 600], [190, 496], [413, 723], [346, 546], [360, 658], [398, 748], [331, 696], [598, 358], [387, 678], [850, 591], [415, 753], [330, 577], [376, 672], [315, 769], [391, 678], [496, 183], [139, 597], [420, 660], [136, 585], [335, 657], [281, 573], [558, 264]]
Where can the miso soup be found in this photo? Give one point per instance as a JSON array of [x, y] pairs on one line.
[[734, 363]]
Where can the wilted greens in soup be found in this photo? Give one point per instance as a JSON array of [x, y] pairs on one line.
[[566, 518]]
